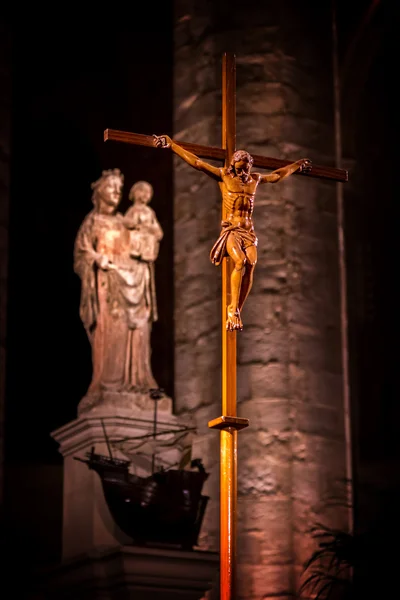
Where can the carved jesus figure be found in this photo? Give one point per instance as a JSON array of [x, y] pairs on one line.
[[237, 239]]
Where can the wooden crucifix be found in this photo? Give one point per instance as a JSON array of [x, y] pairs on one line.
[[235, 249]]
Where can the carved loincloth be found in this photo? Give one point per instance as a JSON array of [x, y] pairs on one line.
[[242, 236]]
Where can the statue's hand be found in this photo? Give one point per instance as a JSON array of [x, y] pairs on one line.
[[102, 262], [162, 141], [305, 165]]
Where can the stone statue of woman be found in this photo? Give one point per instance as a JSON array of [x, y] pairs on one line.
[[114, 257]]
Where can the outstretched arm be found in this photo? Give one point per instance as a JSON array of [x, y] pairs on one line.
[[164, 141], [302, 165]]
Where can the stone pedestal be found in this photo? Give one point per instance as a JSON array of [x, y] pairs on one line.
[[87, 522], [123, 403], [98, 559], [131, 573]]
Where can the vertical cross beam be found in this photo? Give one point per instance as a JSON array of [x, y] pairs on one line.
[[228, 441], [228, 423], [229, 145]]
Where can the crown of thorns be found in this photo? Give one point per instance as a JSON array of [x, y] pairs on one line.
[[241, 155]]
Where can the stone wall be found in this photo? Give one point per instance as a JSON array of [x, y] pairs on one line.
[[292, 458], [5, 142]]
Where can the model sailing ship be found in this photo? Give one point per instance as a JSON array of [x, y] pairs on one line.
[[165, 507]]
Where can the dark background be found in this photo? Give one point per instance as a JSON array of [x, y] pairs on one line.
[[73, 77]]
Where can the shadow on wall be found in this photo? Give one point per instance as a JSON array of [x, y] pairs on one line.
[[363, 564]]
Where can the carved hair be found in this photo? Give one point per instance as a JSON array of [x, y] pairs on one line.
[[97, 185], [138, 185], [238, 156]]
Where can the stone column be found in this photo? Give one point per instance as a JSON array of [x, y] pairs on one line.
[[5, 145], [292, 458]]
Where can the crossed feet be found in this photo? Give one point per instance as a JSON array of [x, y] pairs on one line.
[[234, 321]]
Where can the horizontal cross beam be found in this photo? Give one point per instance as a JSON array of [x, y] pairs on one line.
[[214, 153]]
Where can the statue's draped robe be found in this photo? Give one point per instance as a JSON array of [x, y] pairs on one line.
[[117, 305]]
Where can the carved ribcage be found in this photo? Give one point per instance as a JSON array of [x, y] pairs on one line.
[[229, 203]]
